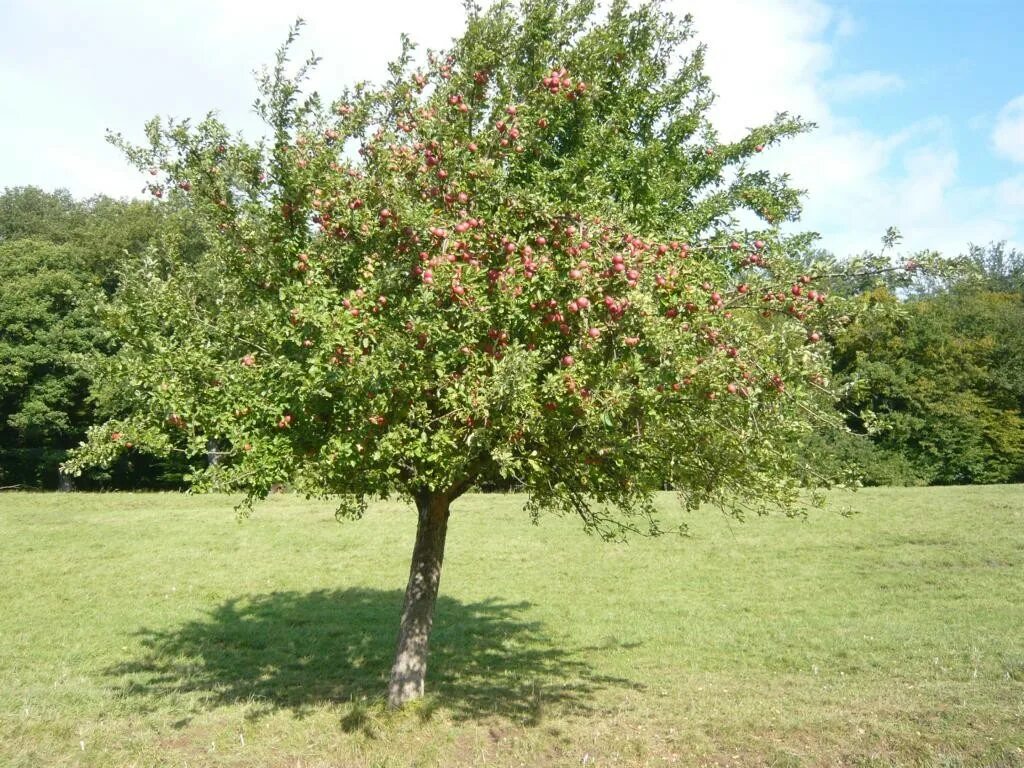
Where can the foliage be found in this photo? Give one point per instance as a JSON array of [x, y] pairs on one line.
[[45, 296], [997, 268], [517, 261], [31, 213], [939, 378], [58, 258], [842, 450]]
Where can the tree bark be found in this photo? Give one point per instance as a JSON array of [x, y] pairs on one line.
[[410, 667], [65, 482], [212, 452]]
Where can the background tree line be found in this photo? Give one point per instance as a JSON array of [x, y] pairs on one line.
[[931, 376], [935, 378], [59, 260]]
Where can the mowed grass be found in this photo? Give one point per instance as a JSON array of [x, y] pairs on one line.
[[154, 630]]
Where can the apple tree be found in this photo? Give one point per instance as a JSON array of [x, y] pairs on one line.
[[516, 260]]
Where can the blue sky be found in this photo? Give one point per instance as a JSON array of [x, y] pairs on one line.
[[920, 105], [958, 61]]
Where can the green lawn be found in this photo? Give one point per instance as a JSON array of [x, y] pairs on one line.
[[156, 630]]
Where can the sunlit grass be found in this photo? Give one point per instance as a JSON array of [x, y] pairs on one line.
[[157, 630]]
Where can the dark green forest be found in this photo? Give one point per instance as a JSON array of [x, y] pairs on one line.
[[59, 261], [929, 375]]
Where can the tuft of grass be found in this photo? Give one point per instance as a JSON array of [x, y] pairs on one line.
[[156, 629]]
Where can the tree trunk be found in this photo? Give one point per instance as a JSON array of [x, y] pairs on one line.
[[410, 667], [212, 452], [65, 482]]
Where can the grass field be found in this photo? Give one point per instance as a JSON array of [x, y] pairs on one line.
[[156, 630]]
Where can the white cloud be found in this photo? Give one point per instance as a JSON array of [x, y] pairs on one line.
[[1010, 193], [75, 69], [763, 58], [766, 56], [117, 63], [846, 24], [868, 83], [1008, 134]]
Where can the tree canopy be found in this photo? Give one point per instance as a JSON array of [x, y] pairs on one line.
[[59, 258], [518, 259], [937, 377]]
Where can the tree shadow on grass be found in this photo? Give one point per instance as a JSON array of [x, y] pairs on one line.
[[295, 650]]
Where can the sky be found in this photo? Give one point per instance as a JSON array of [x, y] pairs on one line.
[[919, 103]]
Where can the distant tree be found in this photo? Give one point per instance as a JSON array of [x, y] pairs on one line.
[[58, 258], [519, 261], [30, 212], [46, 298], [998, 268], [939, 379]]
